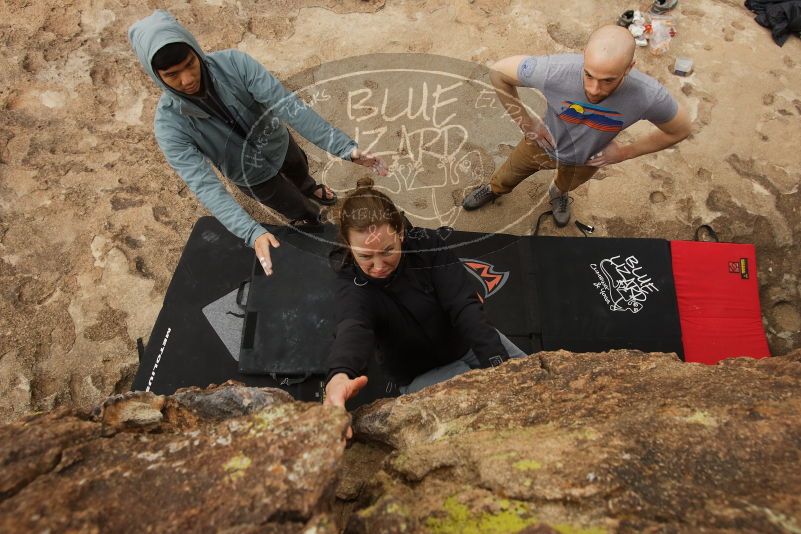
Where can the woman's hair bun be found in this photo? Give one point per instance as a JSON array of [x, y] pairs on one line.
[[365, 182]]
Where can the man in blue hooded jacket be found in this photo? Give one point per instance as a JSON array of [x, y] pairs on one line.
[[224, 108]]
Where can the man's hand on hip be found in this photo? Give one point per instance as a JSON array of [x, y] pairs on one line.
[[535, 130], [368, 160], [613, 153], [262, 247]]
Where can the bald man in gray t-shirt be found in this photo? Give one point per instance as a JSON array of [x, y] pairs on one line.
[[591, 98]]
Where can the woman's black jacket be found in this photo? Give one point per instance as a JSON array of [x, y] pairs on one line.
[[426, 315]]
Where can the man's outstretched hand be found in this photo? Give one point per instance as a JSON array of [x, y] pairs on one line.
[[341, 388], [368, 160], [262, 247]]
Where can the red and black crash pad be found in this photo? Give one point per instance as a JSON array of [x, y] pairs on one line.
[[718, 300], [579, 294]]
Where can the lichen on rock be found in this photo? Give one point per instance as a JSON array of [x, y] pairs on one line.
[[613, 442]]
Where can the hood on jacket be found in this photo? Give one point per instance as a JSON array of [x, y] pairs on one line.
[[152, 33]]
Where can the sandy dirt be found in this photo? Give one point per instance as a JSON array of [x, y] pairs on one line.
[[93, 221]]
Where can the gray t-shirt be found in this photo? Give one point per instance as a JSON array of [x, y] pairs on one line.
[[582, 129]]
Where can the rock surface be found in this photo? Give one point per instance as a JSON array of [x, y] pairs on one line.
[[558, 442], [620, 441], [230, 458], [93, 220]]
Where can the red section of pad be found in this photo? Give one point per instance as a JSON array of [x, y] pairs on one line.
[[718, 297]]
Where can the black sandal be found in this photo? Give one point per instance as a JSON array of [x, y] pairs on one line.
[[322, 199]]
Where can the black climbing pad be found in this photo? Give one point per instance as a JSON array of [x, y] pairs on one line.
[[598, 294], [541, 292]]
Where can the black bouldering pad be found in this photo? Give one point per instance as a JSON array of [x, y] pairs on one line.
[[183, 349], [289, 322], [599, 294], [540, 292]]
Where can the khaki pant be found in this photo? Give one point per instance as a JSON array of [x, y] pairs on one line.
[[528, 158]]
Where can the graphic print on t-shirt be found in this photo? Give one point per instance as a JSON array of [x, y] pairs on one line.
[[595, 117]]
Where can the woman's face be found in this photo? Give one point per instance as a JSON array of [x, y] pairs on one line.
[[377, 251]]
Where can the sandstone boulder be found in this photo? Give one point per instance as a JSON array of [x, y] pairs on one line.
[[228, 458], [620, 441], [556, 442]]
